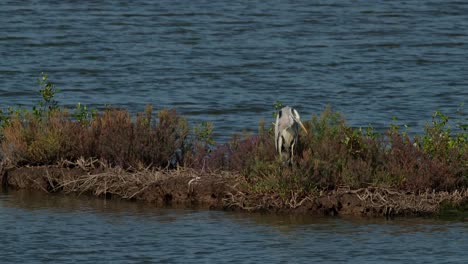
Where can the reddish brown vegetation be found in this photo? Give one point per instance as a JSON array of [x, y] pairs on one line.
[[111, 136], [335, 155], [332, 156]]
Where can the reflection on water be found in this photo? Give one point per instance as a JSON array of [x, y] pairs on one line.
[[41, 227]]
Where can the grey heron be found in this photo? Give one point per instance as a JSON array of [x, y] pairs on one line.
[[287, 132]]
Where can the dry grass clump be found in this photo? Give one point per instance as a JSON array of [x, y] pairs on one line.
[[108, 181], [163, 187], [369, 201], [391, 202]]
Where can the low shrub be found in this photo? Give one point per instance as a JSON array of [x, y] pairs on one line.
[[48, 134], [331, 155]]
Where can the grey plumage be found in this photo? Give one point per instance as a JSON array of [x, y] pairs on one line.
[[287, 132]]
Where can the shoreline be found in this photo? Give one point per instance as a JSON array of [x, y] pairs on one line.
[[225, 191]]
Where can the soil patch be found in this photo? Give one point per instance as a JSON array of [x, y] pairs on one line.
[[223, 190]]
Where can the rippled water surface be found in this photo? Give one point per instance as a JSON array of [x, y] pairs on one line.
[[37, 227], [229, 61]]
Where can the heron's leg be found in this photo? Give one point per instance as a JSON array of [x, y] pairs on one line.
[[280, 145], [292, 152]]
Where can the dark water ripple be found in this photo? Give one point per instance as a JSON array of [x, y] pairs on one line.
[[228, 62]]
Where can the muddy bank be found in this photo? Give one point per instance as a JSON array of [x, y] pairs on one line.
[[162, 188], [223, 190]]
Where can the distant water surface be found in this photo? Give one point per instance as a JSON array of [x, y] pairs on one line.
[[229, 61]]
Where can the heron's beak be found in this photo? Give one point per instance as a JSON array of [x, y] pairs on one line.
[[303, 127]]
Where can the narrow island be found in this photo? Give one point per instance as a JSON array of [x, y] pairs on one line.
[[160, 159]]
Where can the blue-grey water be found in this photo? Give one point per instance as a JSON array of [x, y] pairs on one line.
[[229, 61], [37, 228]]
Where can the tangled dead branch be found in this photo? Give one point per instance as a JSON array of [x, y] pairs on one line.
[[392, 202], [222, 190]]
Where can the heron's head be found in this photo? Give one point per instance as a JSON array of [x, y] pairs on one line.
[[297, 118]]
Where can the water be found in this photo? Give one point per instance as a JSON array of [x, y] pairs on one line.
[[37, 227], [229, 61]]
